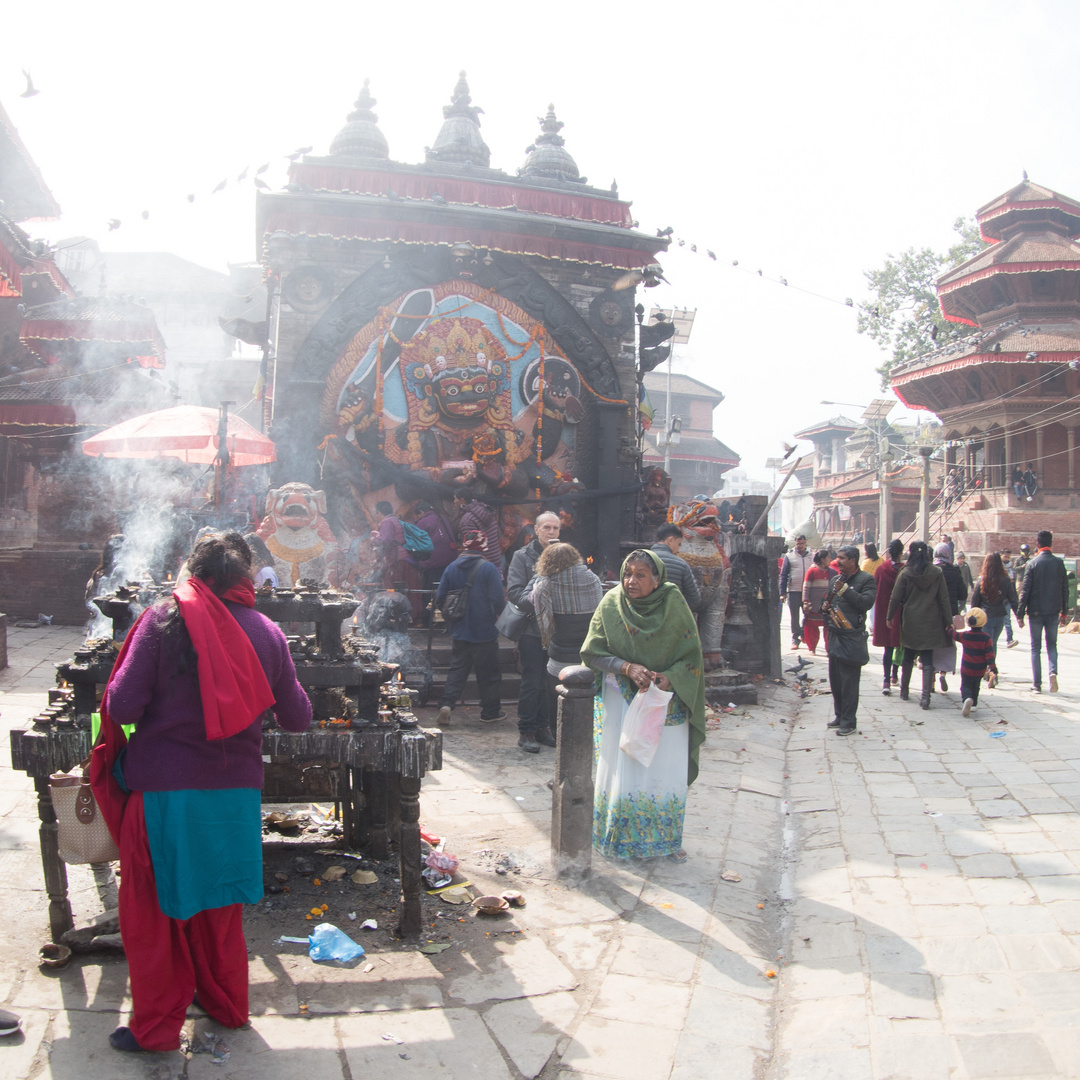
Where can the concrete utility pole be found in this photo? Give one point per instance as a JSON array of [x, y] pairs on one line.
[[925, 453]]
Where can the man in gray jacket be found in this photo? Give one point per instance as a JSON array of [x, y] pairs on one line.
[[793, 569], [534, 724], [669, 540]]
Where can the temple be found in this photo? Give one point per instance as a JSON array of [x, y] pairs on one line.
[[1006, 394], [447, 326]]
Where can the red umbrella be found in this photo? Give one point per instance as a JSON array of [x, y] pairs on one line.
[[187, 432]]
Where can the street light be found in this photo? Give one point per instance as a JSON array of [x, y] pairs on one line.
[[684, 322]]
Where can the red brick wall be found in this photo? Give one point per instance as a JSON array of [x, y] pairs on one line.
[[48, 583]]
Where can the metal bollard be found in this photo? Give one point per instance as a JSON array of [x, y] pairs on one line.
[[572, 791]]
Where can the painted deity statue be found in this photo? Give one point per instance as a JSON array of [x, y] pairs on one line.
[[298, 535], [703, 550]]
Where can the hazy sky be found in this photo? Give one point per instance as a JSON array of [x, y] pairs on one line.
[[805, 140]]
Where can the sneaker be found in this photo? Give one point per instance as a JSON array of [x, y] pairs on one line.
[[1036, 689], [886, 690], [492, 719], [545, 738], [845, 731], [944, 685], [1012, 643], [9, 1022], [1029, 499], [527, 742], [1053, 684], [444, 716], [968, 704], [833, 724], [895, 681]]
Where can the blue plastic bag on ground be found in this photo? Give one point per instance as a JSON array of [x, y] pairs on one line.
[[330, 943]]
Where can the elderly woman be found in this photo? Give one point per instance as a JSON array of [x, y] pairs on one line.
[[815, 589], [920, 598], [945, 657], [643, 632], [564, 596], [182, 797]]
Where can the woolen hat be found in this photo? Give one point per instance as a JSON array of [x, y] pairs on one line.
[[474, 540], [978, 615]]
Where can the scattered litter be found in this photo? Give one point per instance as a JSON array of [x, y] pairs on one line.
[[334, 873], [293, 940], [514, 899], [490, 905], [446, 888], [441, 860], [997, 734], [330, 943], [431, 950], [519, 798], [281, 822], [369, 967], [212, 1043], [281, 877], [431, 838], [352, 916], [319, 816], [770, 974], [731, 875], [369, 924], [924, 866], [932, 813], [341, 854], [761, 907], [393, 1039], [435, 879], [54, 956], [1003, 721], [364, 877], [303, 865], [404, 1057], [456, 895]]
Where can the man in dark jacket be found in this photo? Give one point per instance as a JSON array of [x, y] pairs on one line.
[[475, 639], [851, 595], [669, 540], [533, 719], [1044, 600]]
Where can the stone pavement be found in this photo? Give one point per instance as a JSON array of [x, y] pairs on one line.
[[906, 906]]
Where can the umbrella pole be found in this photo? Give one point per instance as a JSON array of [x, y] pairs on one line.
[[221, 460]]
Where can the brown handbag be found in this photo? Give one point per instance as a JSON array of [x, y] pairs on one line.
[[82, 835]]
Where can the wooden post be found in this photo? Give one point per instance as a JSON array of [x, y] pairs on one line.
[[56, 883], [572, 791], [763, 520], [1072, 458]]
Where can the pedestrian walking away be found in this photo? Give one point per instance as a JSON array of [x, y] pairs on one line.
[[642, 633], [945, 657], [1044, 602], [995, 593], [869, 566], [793, 567], [532, 696], [920, 601], [979, 657], [850, 597], [965, 572], [474, 638], [887, 636], [564, 596], [669, 540], [182, 796]]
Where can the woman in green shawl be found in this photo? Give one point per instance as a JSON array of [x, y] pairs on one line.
[[644, 632]]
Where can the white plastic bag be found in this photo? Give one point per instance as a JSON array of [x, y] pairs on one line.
[[643, 724]]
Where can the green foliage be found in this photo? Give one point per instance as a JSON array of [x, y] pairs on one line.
[[904, 311]]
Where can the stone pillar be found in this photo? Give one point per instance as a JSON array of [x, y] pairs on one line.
[[572, 791], [1008, 460], [988, 474], [413, 765], [1072, 458], [3, 621], [1039, 455]]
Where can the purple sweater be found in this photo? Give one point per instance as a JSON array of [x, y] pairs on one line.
[[169, 750]]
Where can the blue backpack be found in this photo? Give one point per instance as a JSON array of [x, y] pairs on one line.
[[417, 542]]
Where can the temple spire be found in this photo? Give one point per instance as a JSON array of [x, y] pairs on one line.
[[548, 156], [459, 141], [361, 136]]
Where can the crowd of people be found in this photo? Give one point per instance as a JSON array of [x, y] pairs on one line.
[[918, 611]]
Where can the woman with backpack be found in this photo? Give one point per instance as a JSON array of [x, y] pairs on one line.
[[401, 545]]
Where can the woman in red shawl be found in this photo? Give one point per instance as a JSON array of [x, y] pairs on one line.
[[182, 796], [886, 637]]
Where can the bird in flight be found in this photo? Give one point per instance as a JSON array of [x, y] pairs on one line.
[[31, 90]]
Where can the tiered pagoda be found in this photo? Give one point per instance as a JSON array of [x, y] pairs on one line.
[[448, 326], [1006, 395]]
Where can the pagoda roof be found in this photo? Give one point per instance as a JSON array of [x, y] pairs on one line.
[[656, 382], [837, 423], [104, 319], [22, 187], [906, 478], [1021, 254], [1028, 203]]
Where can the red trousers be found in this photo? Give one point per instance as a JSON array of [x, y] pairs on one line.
[[169, 960], [811, 633]]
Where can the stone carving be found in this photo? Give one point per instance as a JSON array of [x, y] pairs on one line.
[[298, 534]]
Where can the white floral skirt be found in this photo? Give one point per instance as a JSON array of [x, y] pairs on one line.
[[637, 811]]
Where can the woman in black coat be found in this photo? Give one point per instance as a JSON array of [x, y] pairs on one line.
[[945, 657]]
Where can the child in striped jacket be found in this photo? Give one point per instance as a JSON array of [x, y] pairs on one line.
[[979, 657]]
